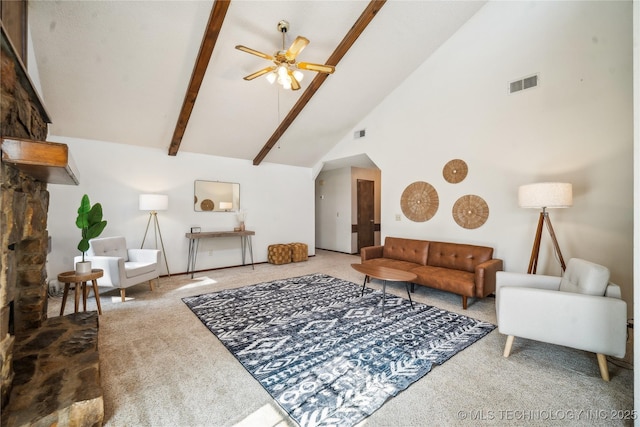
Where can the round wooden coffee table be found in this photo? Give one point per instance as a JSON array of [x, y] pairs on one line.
[[385, 274], [80, 281]]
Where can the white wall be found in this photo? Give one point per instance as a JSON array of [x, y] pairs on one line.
[[576, 126], [333, 210], [278, 201]]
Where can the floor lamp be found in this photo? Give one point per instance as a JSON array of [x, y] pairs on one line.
[[544, 196], [154, 203]]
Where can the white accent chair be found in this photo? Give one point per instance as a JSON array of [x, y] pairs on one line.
[[122, 267], [581, 309]]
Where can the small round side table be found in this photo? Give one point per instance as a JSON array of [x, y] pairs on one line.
[[80, 281]]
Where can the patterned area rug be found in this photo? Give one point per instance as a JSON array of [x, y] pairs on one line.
[[326, 354]]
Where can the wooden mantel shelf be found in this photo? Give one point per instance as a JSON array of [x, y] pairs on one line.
[[49, 162]]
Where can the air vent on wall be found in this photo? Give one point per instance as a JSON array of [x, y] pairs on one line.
[[359, 134], [526, 83]]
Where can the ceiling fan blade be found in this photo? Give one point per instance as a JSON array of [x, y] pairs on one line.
[[254, 52], [295, 84], [260, 73], [321, 68], [296, 47]]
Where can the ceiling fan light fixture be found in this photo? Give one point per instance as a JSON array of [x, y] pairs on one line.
[[282, 71], [285, 61]]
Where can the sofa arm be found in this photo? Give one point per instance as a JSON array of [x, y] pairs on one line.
[[371, 252], [144, 255], [485, 276], [586, 322], [111, 266]]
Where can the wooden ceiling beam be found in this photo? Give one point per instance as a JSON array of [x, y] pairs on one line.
[[218, 13], [358, 28]]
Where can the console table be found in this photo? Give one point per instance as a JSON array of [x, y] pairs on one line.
[[194, 240]]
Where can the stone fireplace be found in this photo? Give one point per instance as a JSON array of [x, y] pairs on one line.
[[24, 202], [49, 368]]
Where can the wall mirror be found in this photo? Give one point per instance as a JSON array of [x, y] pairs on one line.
[[215, 196]]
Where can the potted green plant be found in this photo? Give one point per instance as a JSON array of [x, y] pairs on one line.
[[90, 223]]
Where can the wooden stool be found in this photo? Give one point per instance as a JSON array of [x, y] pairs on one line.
[[279, 254], [80, 281], [299, 252]]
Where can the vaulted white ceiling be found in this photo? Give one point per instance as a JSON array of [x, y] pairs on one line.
[[118, 71]]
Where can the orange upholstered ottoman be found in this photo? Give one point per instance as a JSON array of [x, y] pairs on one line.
[[279, 254], [299, 252]]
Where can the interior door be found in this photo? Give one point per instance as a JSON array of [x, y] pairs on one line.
[[366, 220]]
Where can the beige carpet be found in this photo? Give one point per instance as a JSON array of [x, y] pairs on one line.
[[161, 367]]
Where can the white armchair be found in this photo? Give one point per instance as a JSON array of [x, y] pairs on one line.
[[581, 309], [122, 267]]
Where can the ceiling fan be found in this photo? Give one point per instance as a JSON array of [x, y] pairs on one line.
[[284, 61]]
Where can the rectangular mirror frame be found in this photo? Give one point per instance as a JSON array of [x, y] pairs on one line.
[[216, 196]]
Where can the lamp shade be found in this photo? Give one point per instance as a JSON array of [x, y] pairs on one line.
[[153, 202], [545, 195]]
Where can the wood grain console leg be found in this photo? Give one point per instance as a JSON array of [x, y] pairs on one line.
[[604, 369], [85, 293], [76, 302], [64, 298], [507, 346], [94, 282]]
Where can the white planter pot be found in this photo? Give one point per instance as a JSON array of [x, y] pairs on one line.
[[83, 267]]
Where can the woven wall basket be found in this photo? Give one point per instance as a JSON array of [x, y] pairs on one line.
[[206, 205], [419, 201], [455, 171], [470, 211]]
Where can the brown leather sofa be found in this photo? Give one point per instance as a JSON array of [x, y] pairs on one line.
[[466, 270]]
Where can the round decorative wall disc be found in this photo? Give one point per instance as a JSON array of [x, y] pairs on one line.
[[455, 171], [419, 201], [206, 205], [470, 211]]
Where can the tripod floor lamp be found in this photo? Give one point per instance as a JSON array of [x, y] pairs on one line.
[[154, 203], [545, 195]]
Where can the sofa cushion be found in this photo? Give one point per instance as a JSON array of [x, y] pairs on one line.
[[458, 256], [392, 263], [585, 277], [406, 250], [452, 280]]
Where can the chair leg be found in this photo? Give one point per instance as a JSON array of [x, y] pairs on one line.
[[507, 346], [122, 293], [464, 302], [604, 369], [151, 284]]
